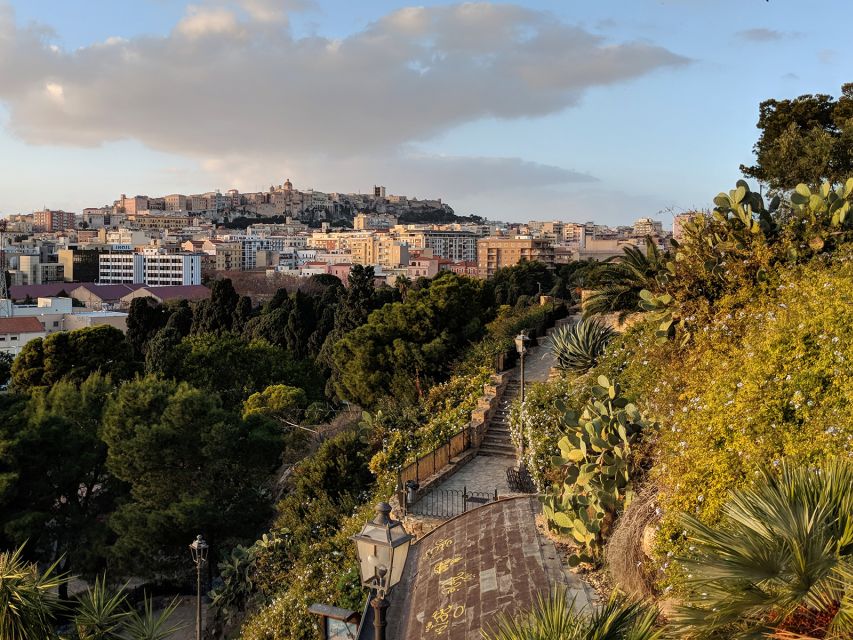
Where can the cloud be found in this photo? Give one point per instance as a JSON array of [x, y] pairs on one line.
[[760, 34], [827, 56], [231, 86], [790, 76], [409, 76]]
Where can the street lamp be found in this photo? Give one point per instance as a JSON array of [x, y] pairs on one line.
[[198, 549], [382, 547], [521, 341]]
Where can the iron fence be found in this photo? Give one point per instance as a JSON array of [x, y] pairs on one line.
[[446, 503]]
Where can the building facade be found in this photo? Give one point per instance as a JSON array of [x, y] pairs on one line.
[[496, 252]]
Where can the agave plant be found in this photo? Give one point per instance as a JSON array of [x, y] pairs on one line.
[[779, 562], [557, 618], [151, 626], [100, 614], [578, 347]]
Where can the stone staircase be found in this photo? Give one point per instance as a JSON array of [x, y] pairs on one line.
[[497, 441]]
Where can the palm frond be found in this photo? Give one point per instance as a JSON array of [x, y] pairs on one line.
[[779, 560]]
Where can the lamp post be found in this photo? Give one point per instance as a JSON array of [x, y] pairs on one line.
[[198, 549], [382, 547], [521, 341]]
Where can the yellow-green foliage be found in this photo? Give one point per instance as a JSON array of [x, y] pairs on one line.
[[772, 379], [327, 573], [770, 374]]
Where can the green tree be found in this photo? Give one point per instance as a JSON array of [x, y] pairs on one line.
[[277, 401], [523, 279], [236, 369], [807, 139], [405, 346], [57, 491], [216, 314], [144, 319], [73, 355], [6, 360], [191, 466], [778, 562]]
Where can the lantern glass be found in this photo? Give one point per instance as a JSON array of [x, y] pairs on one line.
[[521, 343], [198, 549], [382, 547]]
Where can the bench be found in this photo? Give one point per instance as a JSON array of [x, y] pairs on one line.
[[519, 480]]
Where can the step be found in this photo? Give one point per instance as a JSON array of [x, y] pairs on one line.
[[497, 452], [503, 442]]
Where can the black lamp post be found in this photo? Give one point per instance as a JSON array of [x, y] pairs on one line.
[[521, 341], [382, 547], [198, 549]]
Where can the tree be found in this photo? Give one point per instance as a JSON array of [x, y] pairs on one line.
[[522, 279], [620, 280], [557, 618], [404, 346], [73, 355], [277, 401], [778, 562], [216, 314], [57, 490], [234, 368], [6, 360], [28, 602], [191, 466], [144, 319], [808, 139]]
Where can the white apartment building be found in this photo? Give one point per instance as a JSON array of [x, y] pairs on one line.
[[152, 267]]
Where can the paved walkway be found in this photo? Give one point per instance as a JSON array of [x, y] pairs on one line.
[[461, 576]]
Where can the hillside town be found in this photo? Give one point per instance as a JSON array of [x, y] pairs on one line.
[[169, 247]]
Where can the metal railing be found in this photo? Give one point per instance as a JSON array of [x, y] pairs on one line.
[[446, 503]]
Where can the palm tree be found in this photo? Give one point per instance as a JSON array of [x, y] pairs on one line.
[[779, 562], [556, 618], [100, 614], [620, 280], [28, 599], [148, 626]]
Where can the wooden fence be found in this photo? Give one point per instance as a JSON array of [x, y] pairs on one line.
[[438, 458]]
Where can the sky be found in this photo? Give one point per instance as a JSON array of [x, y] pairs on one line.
[[604, 110]]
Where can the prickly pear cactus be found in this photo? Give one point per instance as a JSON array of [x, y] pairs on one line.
[[595, 462]]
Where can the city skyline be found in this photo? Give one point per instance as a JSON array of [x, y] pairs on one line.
[[512, 111]]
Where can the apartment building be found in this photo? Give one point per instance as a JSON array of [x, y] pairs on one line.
[[648, 227], [152, 267], [48, 221], [496, 252], [458, 246]]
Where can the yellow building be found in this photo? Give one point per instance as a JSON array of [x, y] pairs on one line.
[[496, 252]]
